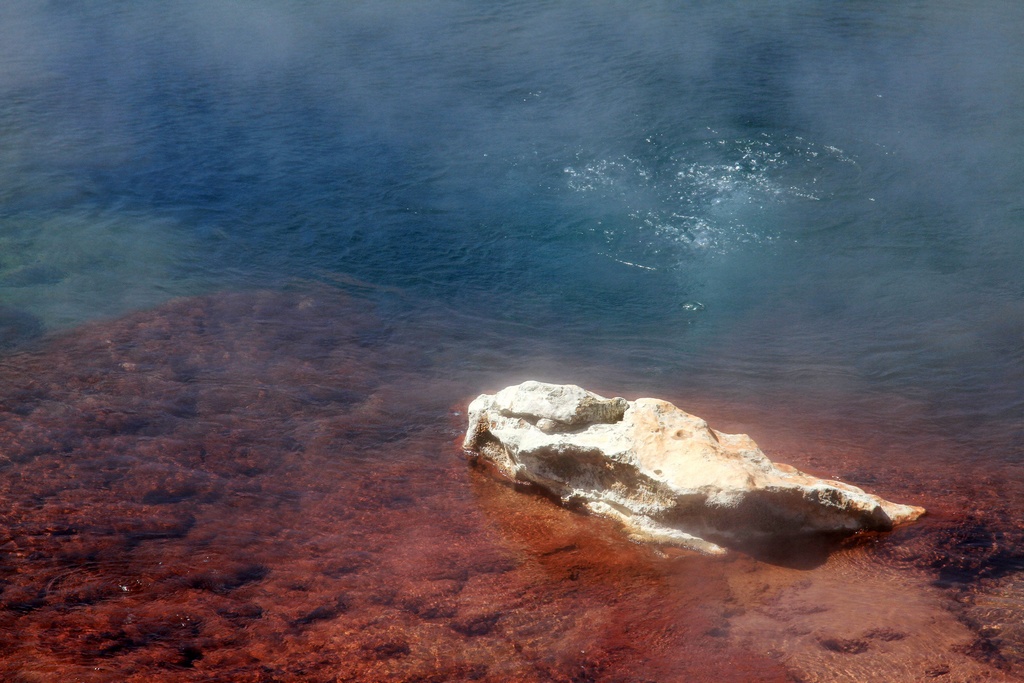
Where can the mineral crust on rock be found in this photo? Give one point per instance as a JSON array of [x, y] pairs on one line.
[[663, 473]]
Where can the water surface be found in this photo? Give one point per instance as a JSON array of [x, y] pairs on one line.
[[254, 264]]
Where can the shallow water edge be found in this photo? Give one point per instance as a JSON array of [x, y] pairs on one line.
[[261, 486]]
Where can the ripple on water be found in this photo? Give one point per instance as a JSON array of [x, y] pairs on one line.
[[711, 198]]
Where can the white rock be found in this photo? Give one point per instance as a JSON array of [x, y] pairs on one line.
[[662, 472]]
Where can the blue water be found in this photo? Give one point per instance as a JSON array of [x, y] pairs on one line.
[[806, 199]]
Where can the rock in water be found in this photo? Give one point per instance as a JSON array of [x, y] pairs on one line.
[[662, 472]]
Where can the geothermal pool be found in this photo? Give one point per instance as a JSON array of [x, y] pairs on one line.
[[255, 264]]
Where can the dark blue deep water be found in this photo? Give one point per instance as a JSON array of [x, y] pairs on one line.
[[802, 204], [838, 188]]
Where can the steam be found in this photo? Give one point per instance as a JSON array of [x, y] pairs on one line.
[[308, 129]]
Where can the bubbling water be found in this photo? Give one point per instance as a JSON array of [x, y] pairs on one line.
[[710, 199]]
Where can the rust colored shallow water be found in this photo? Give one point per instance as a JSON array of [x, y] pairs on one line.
[[267, 487], [241, 488]]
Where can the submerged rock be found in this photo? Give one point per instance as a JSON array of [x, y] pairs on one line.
[[660, 471]]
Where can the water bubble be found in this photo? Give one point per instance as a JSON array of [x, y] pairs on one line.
[[692, 306]]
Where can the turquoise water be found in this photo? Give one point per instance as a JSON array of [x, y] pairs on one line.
[[803, 209]]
